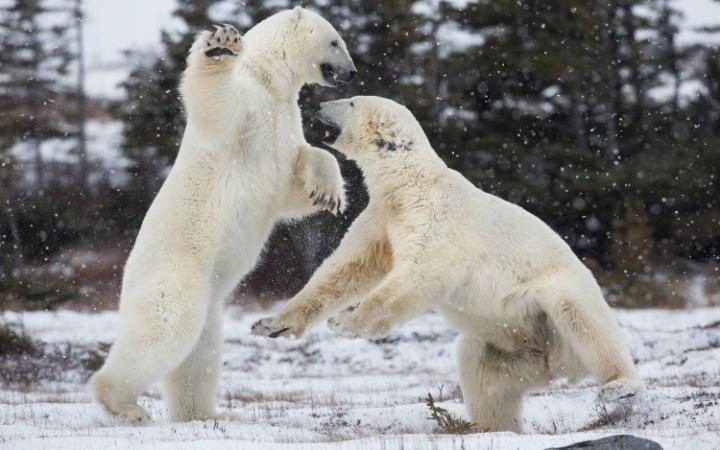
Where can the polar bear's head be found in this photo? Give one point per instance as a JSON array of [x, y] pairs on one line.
[[310, 49], [372, 128]]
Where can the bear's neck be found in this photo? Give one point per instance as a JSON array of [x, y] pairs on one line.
[[411, 172], [270, 67]]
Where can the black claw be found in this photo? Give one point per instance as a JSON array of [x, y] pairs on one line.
[[219, 51], [277, 333], [312, 194]]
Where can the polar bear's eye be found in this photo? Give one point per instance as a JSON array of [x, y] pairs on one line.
[[334, 43], [352, 104]]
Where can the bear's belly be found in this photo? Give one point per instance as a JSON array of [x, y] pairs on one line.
[[519, 330], [248, 209], [509, 326]]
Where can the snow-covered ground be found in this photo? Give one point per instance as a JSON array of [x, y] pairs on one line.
[[325, 392]]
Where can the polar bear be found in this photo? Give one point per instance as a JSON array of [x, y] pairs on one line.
[[243, 165], [526, 308]]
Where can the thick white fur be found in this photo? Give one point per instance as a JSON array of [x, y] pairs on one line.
[[527, 309], [242, 166]]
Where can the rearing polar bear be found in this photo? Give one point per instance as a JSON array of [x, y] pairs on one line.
[[527, 309], [243, 165]]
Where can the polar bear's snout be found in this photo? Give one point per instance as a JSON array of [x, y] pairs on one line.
[[336, 66], [332, 115], [367, 128], [335, 75]]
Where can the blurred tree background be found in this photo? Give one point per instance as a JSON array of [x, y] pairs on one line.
[[575, 110]]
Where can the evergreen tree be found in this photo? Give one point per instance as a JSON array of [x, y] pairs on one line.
[[35, 61], [34, 94], [35, 91]]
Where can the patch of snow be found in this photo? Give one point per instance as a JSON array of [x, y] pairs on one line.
[[103, 141], [325, 392], [697, 14], [111, 28], [452, 38], [429, 8], [687, 90]]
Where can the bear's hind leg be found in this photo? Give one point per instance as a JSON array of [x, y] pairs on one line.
[[494, 381], [189, 390], [118, 395], [157, 333], [580, 315]]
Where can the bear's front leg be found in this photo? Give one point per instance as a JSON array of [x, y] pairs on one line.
[[318, 182], [398, 299], [370, 324], [363, 257], [208, 86]]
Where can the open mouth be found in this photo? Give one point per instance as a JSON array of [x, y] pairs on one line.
[[330, 75], [329, 130]]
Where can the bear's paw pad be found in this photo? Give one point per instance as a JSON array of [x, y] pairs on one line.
[[225, 40]]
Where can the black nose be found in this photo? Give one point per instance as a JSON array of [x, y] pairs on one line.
[[352, 74]]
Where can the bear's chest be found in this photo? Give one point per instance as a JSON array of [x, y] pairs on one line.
[[252, 185], [278, 128], [263, 158]]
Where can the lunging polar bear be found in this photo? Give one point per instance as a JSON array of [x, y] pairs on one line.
[[243, 165], [527, 309]]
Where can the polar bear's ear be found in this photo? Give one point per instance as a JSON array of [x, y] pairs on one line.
[[298, 12]]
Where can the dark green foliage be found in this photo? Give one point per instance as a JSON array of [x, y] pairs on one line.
[[34, 59], [446, 421], [93, 359], [597, 153], [36, 214], [14, 341], [33, 293]]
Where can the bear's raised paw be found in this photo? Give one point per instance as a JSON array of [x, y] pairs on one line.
[[212, 49], [225, 40]]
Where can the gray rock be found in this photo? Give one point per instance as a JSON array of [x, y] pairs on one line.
[[617, 442]]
